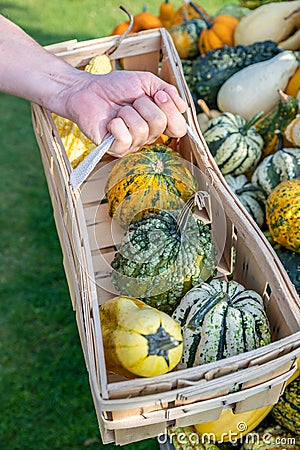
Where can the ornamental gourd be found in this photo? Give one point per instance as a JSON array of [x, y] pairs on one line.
[[253, 4], [207, 73], [137, 339], [233, 9], [162, 256], [188, 12], [291, 263], [141, 21], [145, 21], [292, 131], [185, 37], [220, 319], [234, 143], [282, 165], [286, 412], [154, 178], [219, 31], [229, 424], [283, 214], [166, 13], [250, 195], [293, 86], [255, 87], [276, 120], [277, 21]]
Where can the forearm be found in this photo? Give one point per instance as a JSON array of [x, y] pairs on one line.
[[29, 71]]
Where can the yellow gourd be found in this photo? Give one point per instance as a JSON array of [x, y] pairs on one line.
[[283, 214], [138, 339], [232, 426]]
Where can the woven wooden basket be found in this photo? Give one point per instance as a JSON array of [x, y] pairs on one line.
[[136, 409]]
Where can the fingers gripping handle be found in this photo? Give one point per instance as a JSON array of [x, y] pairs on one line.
[[87, 165]]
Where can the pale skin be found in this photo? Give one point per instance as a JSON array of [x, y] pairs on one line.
[[136, 107]]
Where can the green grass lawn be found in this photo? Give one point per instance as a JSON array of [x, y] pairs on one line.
[[45, 400]]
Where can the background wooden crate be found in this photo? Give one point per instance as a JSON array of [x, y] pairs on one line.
[[131, 410]]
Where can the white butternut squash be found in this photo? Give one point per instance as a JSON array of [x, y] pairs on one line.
[[255, 87], [276, 21]]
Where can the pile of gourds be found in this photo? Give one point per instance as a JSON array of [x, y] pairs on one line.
[[170, 312], [242, 67]]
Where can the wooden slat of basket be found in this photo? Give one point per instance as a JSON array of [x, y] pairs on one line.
[[149, 62], [148, 41], [260, 356], [142, 416], [202, 417], [128, 436]]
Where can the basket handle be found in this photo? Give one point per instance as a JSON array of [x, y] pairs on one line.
[[87, 165]]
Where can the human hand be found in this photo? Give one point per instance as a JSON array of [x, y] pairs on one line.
[[135, 107]]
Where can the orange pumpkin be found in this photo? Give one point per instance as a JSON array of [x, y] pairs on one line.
[[219, 32], [120, 28], [145, 21], [141, 21]]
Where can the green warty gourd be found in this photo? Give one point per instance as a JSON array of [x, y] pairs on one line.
[[158, 262]]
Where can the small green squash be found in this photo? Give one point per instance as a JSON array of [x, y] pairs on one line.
[[283, 214], [283, 165], [162, 255], [233, 9], [185, 37], [291, 262], [251, 196], [220, 319], [152, 179], [137, 339], [234, 143], [286, 412], [276, 120]]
